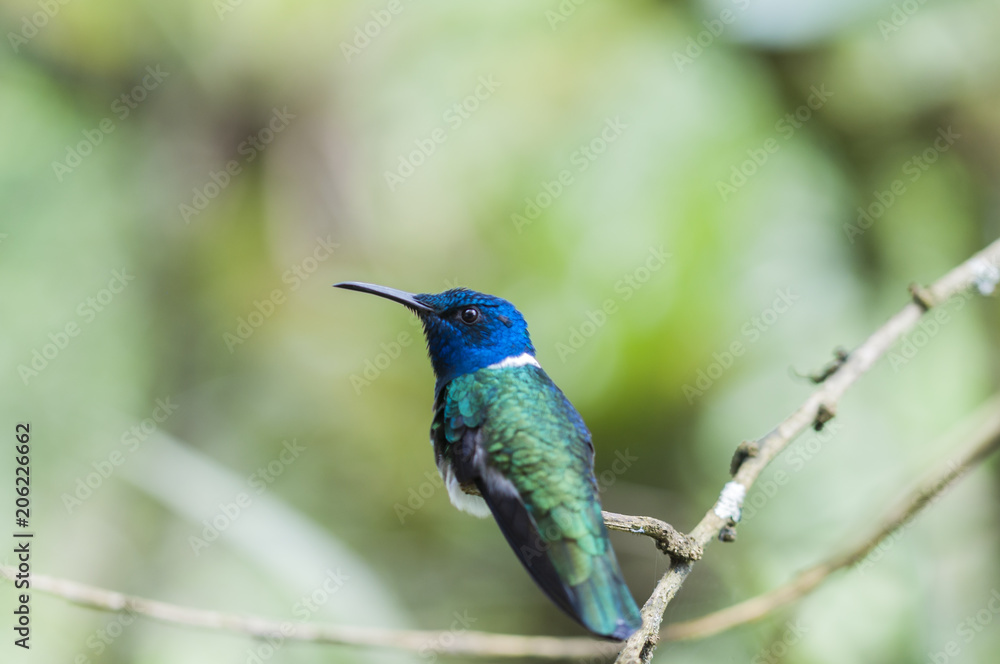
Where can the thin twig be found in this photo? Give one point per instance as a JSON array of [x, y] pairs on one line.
[[445, 642], [668, 539], [840, 356], [985, 441], [819, 407]]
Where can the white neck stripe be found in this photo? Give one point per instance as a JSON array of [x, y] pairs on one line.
[[516, 361]]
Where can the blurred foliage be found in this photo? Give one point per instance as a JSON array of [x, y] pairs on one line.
[[213, 152]]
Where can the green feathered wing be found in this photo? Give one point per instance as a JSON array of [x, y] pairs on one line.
[[511, 436]]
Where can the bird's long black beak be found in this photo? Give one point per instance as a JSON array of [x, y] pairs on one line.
[[406, 299]]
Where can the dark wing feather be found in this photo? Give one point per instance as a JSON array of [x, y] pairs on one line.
[[534, 470], [522, 534]]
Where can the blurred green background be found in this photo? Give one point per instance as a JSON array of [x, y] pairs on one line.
[[181, 183]]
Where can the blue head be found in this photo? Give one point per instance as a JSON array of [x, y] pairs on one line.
[[466, 331]]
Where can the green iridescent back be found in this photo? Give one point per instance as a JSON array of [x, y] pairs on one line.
[[520, 427]]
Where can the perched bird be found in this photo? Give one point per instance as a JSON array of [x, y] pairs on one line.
[[508, 442]]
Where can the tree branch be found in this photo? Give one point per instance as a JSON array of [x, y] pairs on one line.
[[979, 271], [985, 441], [444, 642]]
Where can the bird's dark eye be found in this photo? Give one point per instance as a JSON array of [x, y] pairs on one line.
[[470, 315]]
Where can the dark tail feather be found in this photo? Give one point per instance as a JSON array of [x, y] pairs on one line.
[[602, 602]]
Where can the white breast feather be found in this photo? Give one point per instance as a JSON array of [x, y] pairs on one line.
[[516, 361], [474, 505]]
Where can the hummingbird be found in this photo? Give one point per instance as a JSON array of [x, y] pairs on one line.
[[508, 442]]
